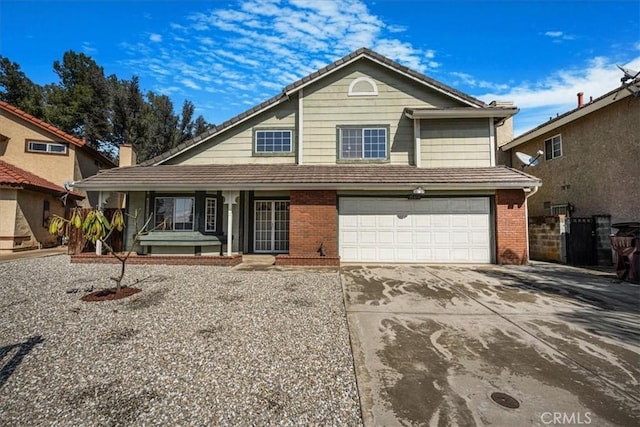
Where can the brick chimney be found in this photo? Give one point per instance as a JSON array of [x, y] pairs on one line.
[[580, 99], [128, 155]]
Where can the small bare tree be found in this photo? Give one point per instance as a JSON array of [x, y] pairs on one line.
[[95, 226]]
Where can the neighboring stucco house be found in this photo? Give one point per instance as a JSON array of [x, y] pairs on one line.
[[591, 160], [364, 160], [36, 160]]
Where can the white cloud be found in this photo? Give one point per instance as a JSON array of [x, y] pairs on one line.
[[88, 48], [190, 84], [559, 36], [557, 93], [257, 47]]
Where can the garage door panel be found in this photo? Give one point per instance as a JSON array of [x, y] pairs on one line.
[[385, 220], [460, 238], [386, 237], [386, 254], [368, 221], [426, 230], [368, 237], [422, 237]]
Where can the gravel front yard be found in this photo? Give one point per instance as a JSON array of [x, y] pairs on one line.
[[198, 346]]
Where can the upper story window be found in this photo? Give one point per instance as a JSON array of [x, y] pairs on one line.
[[553, 147], [278, 141], [46, 147], [176, 212], [363, 143]]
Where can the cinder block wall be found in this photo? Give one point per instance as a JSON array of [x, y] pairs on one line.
[[545, 238], [511, 227], [313, 221]]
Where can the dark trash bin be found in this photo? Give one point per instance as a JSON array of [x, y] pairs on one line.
[[626, 244]]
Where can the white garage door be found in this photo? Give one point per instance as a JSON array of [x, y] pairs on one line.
[[427, 230]]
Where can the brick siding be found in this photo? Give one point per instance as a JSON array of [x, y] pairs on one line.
[[224, 261], [511, 227], [307, 261], [313, 221]]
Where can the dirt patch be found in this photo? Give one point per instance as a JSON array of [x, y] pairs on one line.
[[110, 294], [116, 406], [118, 336], [148, 299], [299, 302]]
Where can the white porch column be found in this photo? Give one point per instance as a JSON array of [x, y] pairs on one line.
[[230, 199], [100, 206]]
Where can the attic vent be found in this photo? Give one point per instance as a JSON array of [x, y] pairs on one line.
[[363, 86]]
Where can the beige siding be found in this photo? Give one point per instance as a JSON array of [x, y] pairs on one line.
[[56, 168], [455, 143], [327, 105], [236, 145]]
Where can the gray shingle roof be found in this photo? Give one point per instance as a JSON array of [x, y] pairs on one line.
[[248, 177], [362, 52]]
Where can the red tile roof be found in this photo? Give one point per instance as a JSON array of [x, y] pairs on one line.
[[54, 130], [13, 176]]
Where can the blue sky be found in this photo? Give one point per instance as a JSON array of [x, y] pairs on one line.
[[227, 56]]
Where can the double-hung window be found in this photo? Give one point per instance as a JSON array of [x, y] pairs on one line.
[[269, 141], [175, 212], [46, 147], [363, 143], [553, 147]]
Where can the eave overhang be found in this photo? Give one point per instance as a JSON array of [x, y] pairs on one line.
[[459, 113], [568, 117], [125, 187]]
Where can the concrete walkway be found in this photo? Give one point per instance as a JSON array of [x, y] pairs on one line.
[[433, 344], [60, 250]]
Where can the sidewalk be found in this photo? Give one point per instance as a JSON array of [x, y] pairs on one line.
[[60, 250]]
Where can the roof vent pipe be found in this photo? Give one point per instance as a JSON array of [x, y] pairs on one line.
[[580, 99]]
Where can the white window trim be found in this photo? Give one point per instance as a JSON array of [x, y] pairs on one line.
[[559, 136], [206, 214], [48, 147], [363, 129], [374, 87], [255, 142]]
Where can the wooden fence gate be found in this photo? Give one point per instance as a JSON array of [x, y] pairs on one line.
[[78, 245]]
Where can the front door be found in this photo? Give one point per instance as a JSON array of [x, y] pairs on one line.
[[271, 226]]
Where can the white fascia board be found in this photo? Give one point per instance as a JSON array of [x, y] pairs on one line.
[[362, 55], [576, 114], [438, 113]]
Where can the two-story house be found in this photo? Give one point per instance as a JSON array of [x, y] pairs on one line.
[[36, 160], [590, 167], [363, 160]]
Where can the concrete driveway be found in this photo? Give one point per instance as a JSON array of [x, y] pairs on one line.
[[433, 344]]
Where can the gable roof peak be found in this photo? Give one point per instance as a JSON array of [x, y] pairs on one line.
[[299, 84]]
